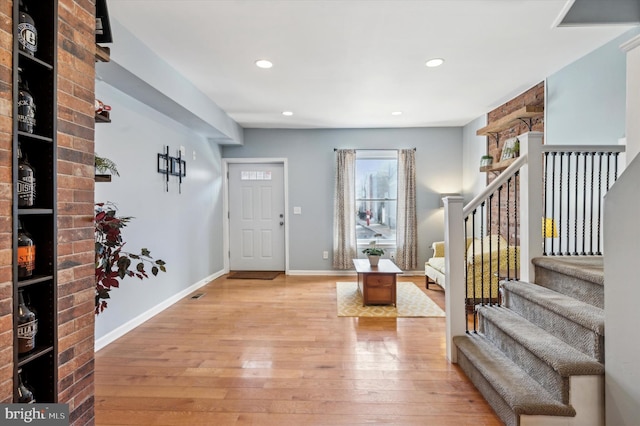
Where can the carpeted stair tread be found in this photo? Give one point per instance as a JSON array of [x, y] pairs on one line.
[[582, 313], [561, 357], [520, 392], [587, 268]]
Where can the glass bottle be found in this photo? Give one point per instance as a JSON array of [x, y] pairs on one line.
[[26, 106], [26, 187], [25, 392], [27, 326], [26, 253], [27, 32]]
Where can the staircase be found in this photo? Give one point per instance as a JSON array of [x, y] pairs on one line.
[[539, 358]]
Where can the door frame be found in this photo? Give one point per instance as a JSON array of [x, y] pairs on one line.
[[225, 204]]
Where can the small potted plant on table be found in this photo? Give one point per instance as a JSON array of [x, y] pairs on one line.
[[373, 253]]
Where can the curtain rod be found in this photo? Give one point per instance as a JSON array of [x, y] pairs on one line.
[[374, 149]]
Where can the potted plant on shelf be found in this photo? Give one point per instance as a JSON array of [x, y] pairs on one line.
[[104, 165], [486, 160], [373, 253], [112, 263]]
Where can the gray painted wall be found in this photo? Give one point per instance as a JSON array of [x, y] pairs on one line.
[[310, 155], [182, 229], [473, 147], [585, 101]]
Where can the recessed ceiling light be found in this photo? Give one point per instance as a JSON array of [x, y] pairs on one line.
[[396, 113], [435, 62], [287, 113], [263, 63]]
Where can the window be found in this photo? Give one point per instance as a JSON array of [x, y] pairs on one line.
[[376, 195]]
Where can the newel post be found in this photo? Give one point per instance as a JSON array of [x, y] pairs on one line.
[[531, 203], [454, 248]]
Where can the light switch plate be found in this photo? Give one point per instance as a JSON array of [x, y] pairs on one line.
[[297, 210]]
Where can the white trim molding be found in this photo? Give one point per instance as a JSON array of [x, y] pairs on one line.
[[629, 45], [340, 272]]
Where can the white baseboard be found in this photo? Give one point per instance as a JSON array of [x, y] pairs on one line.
[[323, 272], [130, 325], [338, 272]]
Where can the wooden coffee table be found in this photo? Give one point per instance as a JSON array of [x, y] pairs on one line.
[[377, 283]]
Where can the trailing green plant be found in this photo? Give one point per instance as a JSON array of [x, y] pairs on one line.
[[103, 165], [112, 263]]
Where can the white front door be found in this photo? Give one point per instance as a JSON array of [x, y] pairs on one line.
[[256, 217]]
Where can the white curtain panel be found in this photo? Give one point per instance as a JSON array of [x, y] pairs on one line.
[[406, 230], [344, 213]]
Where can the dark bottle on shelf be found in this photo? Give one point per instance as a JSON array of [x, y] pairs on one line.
[[27, 32], [26, 187], [25, 392], [27, 326], [26, 253], [26, 106]]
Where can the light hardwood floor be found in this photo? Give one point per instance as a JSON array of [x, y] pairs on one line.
[[253, 352]]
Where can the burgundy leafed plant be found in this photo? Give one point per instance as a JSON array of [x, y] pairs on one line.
[[113, 264]]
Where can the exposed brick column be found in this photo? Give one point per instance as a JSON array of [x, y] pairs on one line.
[[6, 196], [76, 281], [533, 96]]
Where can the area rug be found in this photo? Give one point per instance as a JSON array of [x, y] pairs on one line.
[[253, 275], [410, 301]]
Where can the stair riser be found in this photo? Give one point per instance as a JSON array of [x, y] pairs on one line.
[[539, 370], [576, 335], [587, 397], [582, 290], [501, 408]]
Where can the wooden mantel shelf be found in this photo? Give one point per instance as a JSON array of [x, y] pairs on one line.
[[103, 53], [499, 166], [509, 120]]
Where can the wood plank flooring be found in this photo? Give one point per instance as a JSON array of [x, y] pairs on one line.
[[256, 352]]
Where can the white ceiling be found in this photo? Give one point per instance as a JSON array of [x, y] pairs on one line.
[[349, 64]]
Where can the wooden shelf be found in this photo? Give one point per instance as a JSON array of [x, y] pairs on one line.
[[28, 58], [510, 120], [103, 54], [499, 166], [103, 178]]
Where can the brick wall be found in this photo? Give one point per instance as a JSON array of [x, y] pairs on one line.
[[533, 96], [75, 207], [6, 197], [76, 282]]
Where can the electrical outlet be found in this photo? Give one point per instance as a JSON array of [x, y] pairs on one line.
[[325, 254]]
